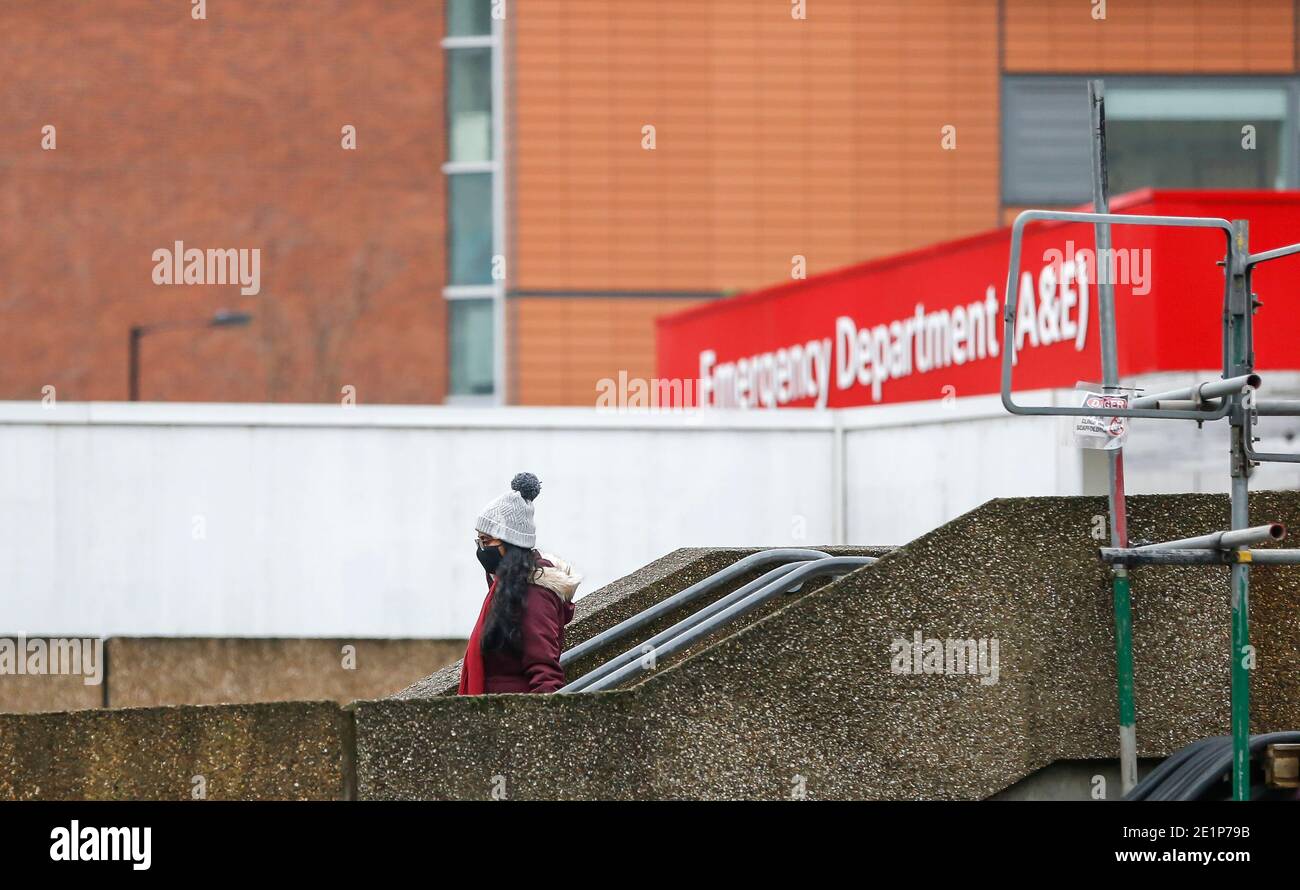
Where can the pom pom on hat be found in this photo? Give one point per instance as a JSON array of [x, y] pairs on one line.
[[528, 486]]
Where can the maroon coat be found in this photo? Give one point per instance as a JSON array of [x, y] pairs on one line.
[[536, 666]]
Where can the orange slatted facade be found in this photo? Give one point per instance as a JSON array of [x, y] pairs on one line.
[[1151, 36], [562, 342], [775, 138]]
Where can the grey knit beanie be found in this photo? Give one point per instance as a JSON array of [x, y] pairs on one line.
[[510, 517]]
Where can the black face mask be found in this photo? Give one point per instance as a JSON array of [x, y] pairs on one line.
[[489, 558]]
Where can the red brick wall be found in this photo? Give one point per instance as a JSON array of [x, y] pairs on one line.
[[223, 133]]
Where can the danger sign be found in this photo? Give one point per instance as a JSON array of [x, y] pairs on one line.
[[1102, 432]]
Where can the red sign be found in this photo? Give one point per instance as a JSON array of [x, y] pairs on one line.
[[928, 324]]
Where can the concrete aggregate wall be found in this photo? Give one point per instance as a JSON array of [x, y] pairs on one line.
[[804, 701], [142, 672], [276, 751], [164, 671]]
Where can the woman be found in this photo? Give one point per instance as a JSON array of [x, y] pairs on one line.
[[516, 643]]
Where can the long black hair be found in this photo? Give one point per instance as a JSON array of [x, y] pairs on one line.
[[503, 627]]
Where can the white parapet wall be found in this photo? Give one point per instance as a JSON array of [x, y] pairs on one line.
[[268, 520], [318, 520]]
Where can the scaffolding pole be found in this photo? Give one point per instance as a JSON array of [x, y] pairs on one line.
[[1120, 589], [1238, 360]]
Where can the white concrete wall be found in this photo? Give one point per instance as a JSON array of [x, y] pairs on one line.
[[313, 520], [912, 467], [321, 520]]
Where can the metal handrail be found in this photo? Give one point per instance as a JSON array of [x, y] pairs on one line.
[[1202, 393], [831, 565], [686, 623], [1274, 408], [1011, 299], [699, 588], [1225, 540]]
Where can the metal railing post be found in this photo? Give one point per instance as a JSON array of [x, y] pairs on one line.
[[1120, 584], [1240, 361]]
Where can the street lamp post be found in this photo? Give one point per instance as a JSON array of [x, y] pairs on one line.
[[223, 319], [133, 388]]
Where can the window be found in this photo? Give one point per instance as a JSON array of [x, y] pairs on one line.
[[469, 18], [469, 104], [470, 332], [474, 200], [1161, 132], [1193, 138], [1045, 149], [469, 209]]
